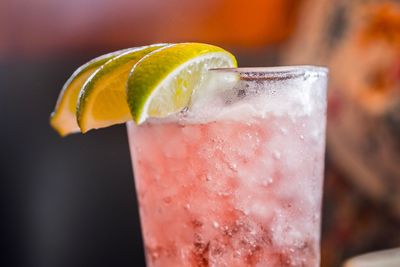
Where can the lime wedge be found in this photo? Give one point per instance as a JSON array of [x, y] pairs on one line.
[[162, 82], [63, 118], [135, 83], [102, 100]]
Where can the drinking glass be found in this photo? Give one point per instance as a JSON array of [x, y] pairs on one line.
[[236, 179]]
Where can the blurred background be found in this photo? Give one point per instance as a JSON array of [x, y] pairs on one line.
[[71, 202]]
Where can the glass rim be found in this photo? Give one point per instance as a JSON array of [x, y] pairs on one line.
[[275, 72]]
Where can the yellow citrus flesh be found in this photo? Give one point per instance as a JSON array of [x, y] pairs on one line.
[[102, 100], [63, 118]]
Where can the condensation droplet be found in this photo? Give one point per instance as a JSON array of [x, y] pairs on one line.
[[215, 224], [276, 154], [267, 181], [233, 166]]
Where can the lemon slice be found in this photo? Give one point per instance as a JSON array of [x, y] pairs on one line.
[[102, 100], [63, 118], [162, 82]]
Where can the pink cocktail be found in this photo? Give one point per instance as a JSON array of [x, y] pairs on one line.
[[235, 180]]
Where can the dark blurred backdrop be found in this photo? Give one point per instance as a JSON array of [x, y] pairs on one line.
[[71, 202]]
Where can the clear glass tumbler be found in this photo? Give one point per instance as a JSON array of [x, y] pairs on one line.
[[236, 179]]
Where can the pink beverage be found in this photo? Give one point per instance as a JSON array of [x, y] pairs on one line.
[[235, 180]]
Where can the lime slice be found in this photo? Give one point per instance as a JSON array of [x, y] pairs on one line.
[[162, 82], [63, 118], [102, 100]]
